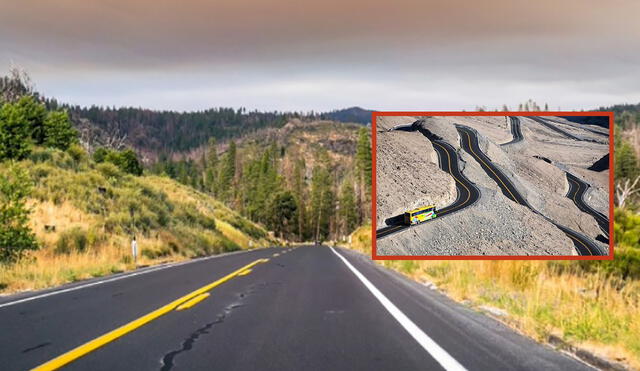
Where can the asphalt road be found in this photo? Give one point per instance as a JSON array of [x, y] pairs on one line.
[[577, 189], [469, 142], [587, 128], [554, 127], [516, 132], [467, 192], [306, 308]]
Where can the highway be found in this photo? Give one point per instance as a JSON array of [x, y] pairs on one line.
[[577, 189], [303, 308], [469, 142], [516, 132], [467, 192]]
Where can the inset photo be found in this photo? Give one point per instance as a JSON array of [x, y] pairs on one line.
[[492, 185]]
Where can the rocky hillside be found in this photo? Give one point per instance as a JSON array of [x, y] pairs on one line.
[[495, 225]]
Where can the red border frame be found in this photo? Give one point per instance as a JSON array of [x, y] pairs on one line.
[[374, 254]]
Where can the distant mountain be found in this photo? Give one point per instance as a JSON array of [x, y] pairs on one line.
[[352, 114]]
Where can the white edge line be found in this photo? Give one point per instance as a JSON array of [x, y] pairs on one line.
[[126, 275], [439, 354]]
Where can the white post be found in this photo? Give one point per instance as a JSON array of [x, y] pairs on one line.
[[134, 251]]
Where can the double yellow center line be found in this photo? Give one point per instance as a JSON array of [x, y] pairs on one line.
[[186, 301], [489, 167], [456, 179], [508, 190]]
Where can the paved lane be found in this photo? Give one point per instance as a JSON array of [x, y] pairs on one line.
[[469, 142], [467, 193], [311, 308]]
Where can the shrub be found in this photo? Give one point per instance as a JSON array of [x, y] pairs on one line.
[[129, 162], [100, 154], [40, 155], [74, 239], [77, 153], [40, 171], [126, 160], [108, 170], [15, 235], [118, 222]]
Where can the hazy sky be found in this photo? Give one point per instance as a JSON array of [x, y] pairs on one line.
[[321, 55]]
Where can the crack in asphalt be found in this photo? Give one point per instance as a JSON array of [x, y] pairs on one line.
[[36, 347], [188, 343]]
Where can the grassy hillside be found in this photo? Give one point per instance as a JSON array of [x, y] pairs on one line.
[[593, 305], [96, 208]]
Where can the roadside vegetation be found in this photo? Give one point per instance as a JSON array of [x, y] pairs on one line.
[[306, 181], [590, 304], [67, 214], [593, 305], [83, 215]]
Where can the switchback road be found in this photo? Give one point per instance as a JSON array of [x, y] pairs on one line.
[[577, 189], [467, 192], [305, 308], [469, 142]]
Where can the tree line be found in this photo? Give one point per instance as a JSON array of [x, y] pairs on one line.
[[303, 203]]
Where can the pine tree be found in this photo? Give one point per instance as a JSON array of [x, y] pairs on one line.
[[363, 169], [626, 162], [227, 173], [282, 213], [321, 198], [348, 210], [299, 186], [211, 166]]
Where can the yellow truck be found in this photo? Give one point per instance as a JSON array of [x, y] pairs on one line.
[[419, 215]]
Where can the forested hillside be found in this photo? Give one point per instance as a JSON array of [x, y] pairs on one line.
[[153, 133], [308, 180], [353, 114]]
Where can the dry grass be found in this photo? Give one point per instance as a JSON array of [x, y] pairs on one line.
[[46, 268], [592, 310], [233, 234], [92, 231]]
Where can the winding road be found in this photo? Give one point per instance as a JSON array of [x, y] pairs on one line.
[[469, 142], [516, 132], [554, 127], [467, 192], [296, 308], [577, 190]]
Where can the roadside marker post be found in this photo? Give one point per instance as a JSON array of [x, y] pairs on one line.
[[134, 251]]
